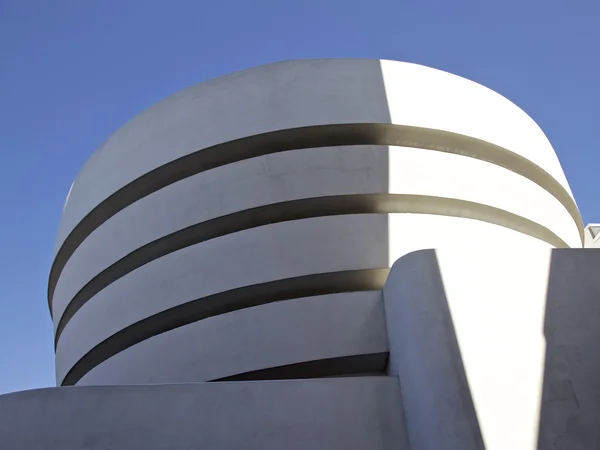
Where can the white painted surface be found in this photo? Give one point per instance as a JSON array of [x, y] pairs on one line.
[[497, 307], [276, 334], [492, 335], [496, 347], [235, 187], [302, 93], [477, 314], [592, 236], [265, 254], [426, 97], [267, 98], [302, 174], [281, 96], [250, 257]]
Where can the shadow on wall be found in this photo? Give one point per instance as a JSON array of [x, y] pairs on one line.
[[426, 356], [476, 370], [570, 409]]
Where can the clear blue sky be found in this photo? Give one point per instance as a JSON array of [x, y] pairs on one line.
[[72, 72]]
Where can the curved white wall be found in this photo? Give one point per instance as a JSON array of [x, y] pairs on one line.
[[278, 334], [439, 161]]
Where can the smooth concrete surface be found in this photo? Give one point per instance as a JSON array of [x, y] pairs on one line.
[[304, 174], [328, 414], [247, 225], [242, 259], [419, 95], [193, 199], [592, 236], [276, 334], [274, 252], [271, 252], [267, 98], [497, 349], [235, 187], [301, 93]]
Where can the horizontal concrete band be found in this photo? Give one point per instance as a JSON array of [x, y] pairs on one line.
[[352, 413], [299, 138], [354, 365], [297, 210], [277, 334], [300, 174], [225, 302]]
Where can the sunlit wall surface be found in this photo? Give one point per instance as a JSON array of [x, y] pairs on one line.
[[322, 254], [592, 235], [300, 181]]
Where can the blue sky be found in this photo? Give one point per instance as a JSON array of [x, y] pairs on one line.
[[72, 72]]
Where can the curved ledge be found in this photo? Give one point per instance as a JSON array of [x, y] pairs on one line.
[[225, 302], [296, 210], [299, 138], [343, 366]]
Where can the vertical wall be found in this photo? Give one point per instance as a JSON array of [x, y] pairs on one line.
[[497, 348], [334, 414]]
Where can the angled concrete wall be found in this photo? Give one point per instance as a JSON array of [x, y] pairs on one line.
[[497, 349]]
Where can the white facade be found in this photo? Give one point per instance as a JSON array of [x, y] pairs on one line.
[[293, 169], [244, 229], [592, 235]]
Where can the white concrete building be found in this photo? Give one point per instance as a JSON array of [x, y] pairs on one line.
[[380, 235], [592, 235]]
